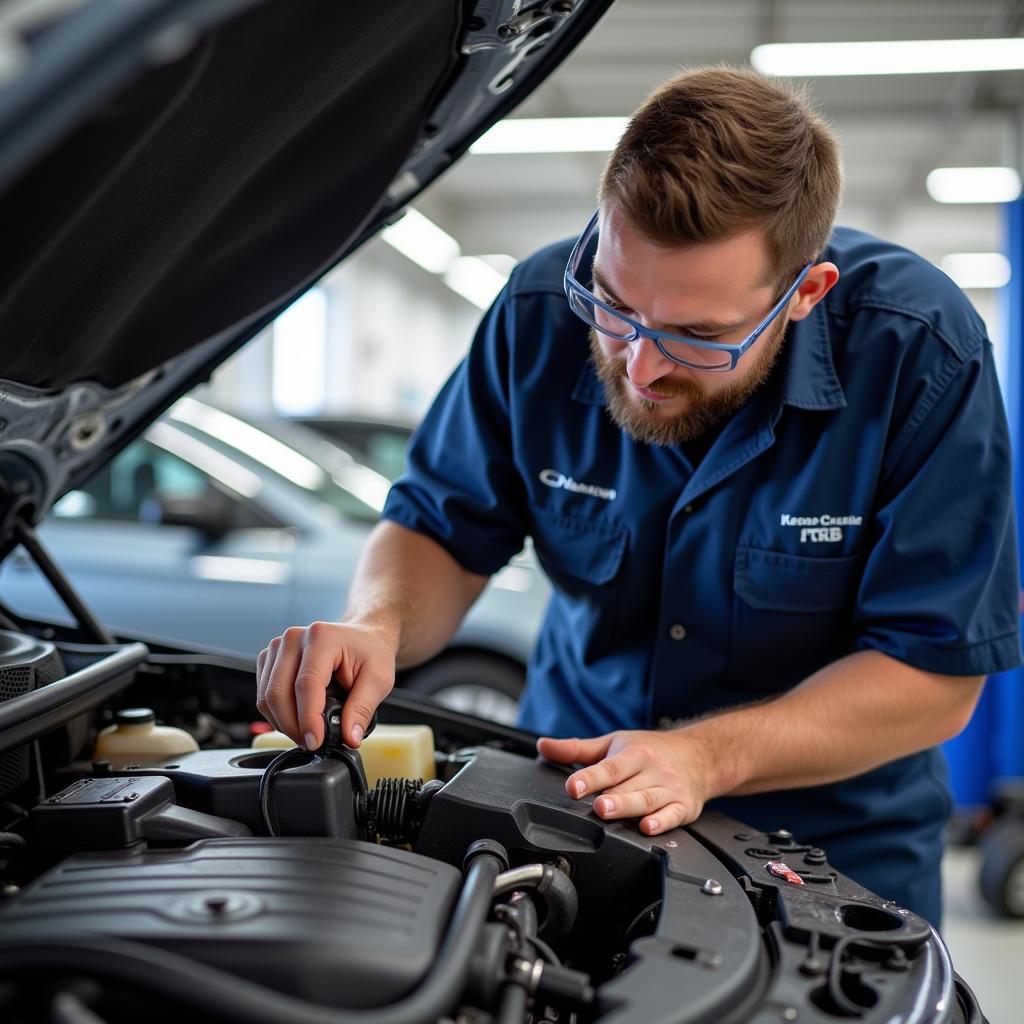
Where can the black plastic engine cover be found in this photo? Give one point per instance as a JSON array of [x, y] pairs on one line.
[[699, 955], [333, 921], [706, 947], [309, 800]]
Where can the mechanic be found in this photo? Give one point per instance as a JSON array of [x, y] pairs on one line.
[[766, 466]]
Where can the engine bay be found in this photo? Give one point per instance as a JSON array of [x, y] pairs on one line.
[[241, 883]]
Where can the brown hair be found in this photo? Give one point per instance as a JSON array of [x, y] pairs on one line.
[[716, 151]]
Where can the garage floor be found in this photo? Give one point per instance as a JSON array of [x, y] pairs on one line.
[[987, 952]]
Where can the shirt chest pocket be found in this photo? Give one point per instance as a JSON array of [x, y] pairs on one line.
[[790, 616], [582, 557]]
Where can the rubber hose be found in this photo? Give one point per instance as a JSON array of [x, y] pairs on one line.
[[554, 885], [514, 996], [512, 1009], [220, 995], [563, 902], [289, 758]]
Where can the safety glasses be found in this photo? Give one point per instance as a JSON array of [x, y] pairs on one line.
[[698, 353]]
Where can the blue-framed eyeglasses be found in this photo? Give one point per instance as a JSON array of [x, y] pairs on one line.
[[698, 353]]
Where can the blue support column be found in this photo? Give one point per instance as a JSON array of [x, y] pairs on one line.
[[992, 746]]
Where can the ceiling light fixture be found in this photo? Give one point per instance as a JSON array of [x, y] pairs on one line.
[[551, 135], [899, 57], [476, 281], [973, 184], [977, 269], [422, 241]]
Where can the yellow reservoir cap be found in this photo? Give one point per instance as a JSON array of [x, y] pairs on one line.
[[398, 752]]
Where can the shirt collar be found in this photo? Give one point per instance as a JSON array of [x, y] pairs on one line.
[[809, 378]]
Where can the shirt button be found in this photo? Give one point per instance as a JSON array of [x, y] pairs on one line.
[[677, 632], [687, 509]]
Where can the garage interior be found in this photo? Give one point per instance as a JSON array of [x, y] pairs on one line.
[[499, 205], [379, 335]]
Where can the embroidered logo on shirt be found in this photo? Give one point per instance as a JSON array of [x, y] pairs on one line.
[[552, 478], [818, 529]]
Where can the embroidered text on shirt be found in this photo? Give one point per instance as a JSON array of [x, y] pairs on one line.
[[552, 478]]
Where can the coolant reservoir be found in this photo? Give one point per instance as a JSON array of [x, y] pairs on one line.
[[135, 738], [272, 740], [389, 752], [398, 752]]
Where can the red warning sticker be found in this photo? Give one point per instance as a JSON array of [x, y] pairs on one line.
[[780, 870]]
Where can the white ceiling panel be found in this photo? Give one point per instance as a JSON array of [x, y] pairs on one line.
[[894, 128]]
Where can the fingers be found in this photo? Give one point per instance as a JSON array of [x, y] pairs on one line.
[[658, 808], [574, 751], [633, 804], [631, 775], [668, 818], [261, 704], [368, 690], [612, 771], [264, 665], [313, 673], [293, 673], [280, 679]]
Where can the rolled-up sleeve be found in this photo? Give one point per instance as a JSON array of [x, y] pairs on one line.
[[461, 487], [940, 587]]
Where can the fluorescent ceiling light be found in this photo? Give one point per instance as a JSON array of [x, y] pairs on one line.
[[500, 261], [977, 269], [422, 241], [551, 135], [973, 184], [902, 57], [477, 279], [474, 280]]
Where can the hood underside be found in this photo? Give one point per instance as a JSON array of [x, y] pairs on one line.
[[175, 172], [212, 183]]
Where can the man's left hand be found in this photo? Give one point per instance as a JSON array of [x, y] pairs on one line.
[[663, 778]]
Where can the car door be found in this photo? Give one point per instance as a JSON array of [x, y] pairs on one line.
[[161, 546]]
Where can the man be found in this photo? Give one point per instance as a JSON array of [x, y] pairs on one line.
[[766, 467]]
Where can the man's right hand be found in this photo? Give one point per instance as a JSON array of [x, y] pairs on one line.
[[294, 670]]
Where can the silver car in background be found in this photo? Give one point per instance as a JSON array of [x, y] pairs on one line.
[[220, 530]]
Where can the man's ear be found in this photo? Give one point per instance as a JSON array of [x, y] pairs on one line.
[[814, 287]]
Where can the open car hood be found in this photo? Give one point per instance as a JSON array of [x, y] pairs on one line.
[[173, 173]]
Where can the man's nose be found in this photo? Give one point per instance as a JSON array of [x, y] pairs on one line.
[[645, 363]]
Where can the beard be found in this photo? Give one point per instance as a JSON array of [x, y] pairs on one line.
[[644, 421]]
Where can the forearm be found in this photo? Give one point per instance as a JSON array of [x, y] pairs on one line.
[[408, 585], [857, 713]]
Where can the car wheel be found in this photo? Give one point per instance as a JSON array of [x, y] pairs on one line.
[[1002, 868], [475, 684]]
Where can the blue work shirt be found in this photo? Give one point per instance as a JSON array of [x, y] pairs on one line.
[[861, 499]]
